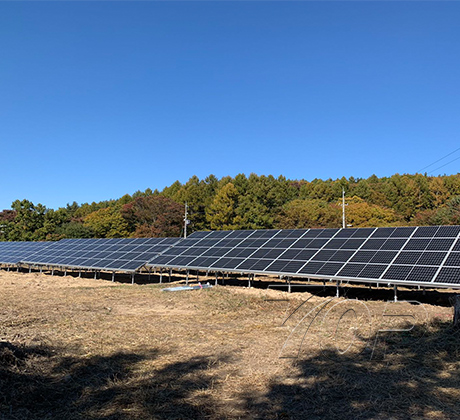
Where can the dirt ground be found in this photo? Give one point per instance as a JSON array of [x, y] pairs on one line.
[[79, 348]]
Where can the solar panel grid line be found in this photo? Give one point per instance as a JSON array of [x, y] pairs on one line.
[[206, 248], [399, 252], [215, 247], [333, 263], [268, 240], [231, 248], [445, 258], [330, 239], [280, 252], [11, 253], [275, 233], [357, 250], [102, 253]]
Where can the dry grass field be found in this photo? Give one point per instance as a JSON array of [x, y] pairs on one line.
[[74, 348]]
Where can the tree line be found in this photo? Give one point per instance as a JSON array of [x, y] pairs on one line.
[[244, 202]]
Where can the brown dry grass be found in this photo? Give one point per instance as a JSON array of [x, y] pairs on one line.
[[90, 349]]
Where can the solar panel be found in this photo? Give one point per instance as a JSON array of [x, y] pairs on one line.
[[124, 254], [401, 255], [14, 252]]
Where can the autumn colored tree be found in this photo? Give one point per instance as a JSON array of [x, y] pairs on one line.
[[107, 223], [153, 216], [312, 213], [362, 214]]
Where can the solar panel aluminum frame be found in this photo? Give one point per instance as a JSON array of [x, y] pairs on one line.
[[338, 278]]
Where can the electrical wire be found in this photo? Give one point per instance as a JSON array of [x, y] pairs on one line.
[[439, 160], [445, 164]]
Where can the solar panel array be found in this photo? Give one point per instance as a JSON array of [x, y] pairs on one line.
[[14, 252], [407, 255], [124, 254]]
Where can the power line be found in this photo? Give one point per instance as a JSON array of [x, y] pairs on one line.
[[445, 164], [431, 164]]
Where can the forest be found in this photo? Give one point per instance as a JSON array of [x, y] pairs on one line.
[[243, 202]]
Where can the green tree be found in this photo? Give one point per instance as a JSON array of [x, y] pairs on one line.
[[222, 211], [28, 221]]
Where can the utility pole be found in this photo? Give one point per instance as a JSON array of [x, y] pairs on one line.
[[186, 221], [343, 209]]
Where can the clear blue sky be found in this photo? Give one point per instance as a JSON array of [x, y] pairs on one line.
[[99, 99]]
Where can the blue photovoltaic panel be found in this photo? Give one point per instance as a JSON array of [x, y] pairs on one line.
[[124, 254], [14, 252], [412, 255]]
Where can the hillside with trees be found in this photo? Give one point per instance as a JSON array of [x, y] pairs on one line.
[[241, 202]]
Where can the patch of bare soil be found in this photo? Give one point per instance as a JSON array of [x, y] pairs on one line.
[[74, 348]]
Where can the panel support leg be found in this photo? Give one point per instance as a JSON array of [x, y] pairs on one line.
[[197, 275], [30, 269], [215, 282], [79, 274], [170, 274], [52, 271], [113, 275], [150, 272], [132, 278], [249, 280], [161, 275], [65, 272], [456, 311], [41, 269], [337, 293], [395, 289], [289, 285], [186, 278], [95, 274]]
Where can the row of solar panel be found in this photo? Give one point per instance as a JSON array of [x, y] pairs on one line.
[[410, 254], [127, 254]]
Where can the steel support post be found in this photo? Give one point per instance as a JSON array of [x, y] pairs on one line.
[[186, 278]]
